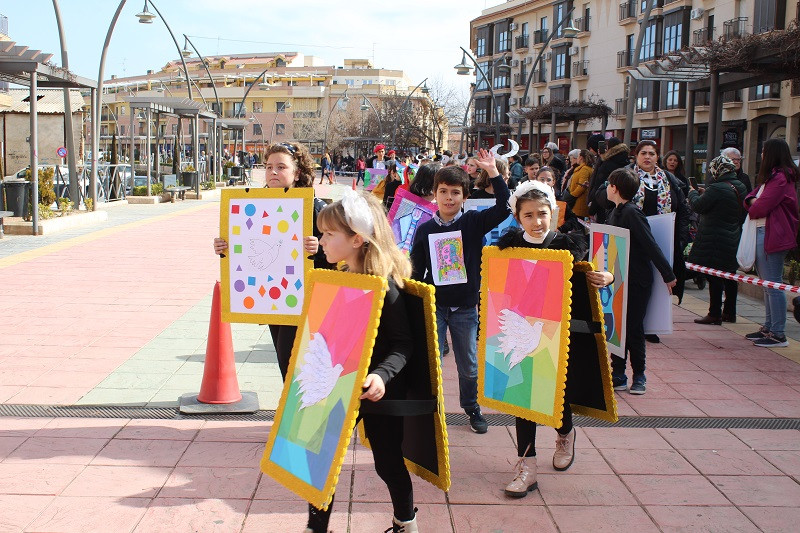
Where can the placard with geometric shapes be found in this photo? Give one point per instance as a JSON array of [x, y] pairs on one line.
[[425, 444], [320, 400], [589, 389], [492, 236], [408, 213], [524, 332], [610, 251], [264, 268]]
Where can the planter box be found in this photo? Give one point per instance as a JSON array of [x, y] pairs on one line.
[[17, 226], [145, 199], [189, 179]]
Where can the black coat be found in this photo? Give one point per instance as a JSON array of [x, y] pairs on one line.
[[614, 158], [721, 212]]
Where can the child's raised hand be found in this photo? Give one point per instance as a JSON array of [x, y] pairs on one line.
[[220, 245], [600, 279], [486, 162], [310, 244], [374, 388]]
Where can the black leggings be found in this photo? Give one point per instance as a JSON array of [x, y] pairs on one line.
[[283, 340], [526, 432], [385, 434]]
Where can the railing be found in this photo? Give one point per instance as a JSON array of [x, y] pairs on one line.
[[521, 41], [540, 36], [702, 36], [624, 58], [732, 96], [621, 106], [580, 68], [735, 27], [667, 2], [540, 75], [627, 10], [519, 79], [582, 23]]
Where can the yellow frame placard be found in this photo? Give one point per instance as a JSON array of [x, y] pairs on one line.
[[610, 414], [265, 292], [441, 480], [307, 443], [504, 274]]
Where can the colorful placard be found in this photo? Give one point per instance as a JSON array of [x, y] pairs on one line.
[[408, 213], [373, 176], [264, 269], [320, 400], [610, 251], [524, 332], [447, 258]]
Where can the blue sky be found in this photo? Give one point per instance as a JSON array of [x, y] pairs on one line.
[[420, 37]]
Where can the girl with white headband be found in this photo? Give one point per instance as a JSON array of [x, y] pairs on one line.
[[355, 232], [532, 205]]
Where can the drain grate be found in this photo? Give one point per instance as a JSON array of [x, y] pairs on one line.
[[453, 419]]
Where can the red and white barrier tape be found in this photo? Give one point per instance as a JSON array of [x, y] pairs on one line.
[[752, 280]]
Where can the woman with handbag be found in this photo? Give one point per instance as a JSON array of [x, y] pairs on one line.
[[772, 204], [720, 208]]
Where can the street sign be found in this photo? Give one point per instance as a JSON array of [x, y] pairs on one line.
[[61, 152]]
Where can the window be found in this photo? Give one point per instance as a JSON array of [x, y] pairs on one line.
[[675, 37], [481, 110], [560, 70], [237, 108], [502, 79], [769, 90], [280, 107], [258, 107], [673, 95], [646, 96], [559, 94], [280, 62], [651, 45], [559, 13], [174, 129], [122, 129], [215, 108], [525, 28], [483, 44], [280, 129], [257, 129], [768, 15], [481, 84], [543, 24], [541, 100], [480, 49], [503, 33]]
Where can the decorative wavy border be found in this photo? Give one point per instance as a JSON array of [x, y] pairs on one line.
[[378, 285], [304, 193], [610, 414], [529, 254]]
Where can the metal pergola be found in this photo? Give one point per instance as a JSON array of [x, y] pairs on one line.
[[31, 68]]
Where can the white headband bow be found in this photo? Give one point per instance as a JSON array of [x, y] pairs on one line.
[[358, 214], [527, 186]]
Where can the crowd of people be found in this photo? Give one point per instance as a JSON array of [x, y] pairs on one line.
[[606, 182]]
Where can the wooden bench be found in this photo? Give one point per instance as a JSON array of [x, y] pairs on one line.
[[4, 214], [178, 190]]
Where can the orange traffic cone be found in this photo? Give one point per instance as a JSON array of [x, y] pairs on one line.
[[219, 372], [354, 184]]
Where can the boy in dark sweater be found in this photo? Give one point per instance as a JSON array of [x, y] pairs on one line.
[[622, 186], [458, 269]]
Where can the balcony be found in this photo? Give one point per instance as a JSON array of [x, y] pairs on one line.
[[521, 41], [621, 106], [519, 80], [735, 28], [540, 36], [624, 58], [667, 2], [702, 36], [580, 68], [540, 75], [627, 10], [582, 23]]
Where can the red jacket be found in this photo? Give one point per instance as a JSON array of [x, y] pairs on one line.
[[778, 204]]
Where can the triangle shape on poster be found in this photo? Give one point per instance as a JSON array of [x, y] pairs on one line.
[[280, 209], [239, 268], [269, 278], [265, 215], [294, 238], [274, 307]]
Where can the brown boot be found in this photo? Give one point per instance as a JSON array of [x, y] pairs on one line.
[[565, 450], [708, 319], [524, 478]]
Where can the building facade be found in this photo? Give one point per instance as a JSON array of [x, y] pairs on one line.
[[593, 65]]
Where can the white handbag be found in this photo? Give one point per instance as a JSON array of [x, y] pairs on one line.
[[746, 253]]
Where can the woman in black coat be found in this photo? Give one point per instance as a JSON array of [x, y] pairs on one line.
[[615, 157], [721, 213]]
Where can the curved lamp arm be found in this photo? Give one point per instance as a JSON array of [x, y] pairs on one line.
[[397, 118], [327, 122], [377, 116], [210, 78], [241, 104], [177, 46]]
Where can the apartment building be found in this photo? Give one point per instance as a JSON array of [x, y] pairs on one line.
[[289, 102], [593, 65]]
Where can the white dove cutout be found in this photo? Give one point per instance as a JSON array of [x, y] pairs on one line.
[[317, 375], [263, 254], [520, 337]]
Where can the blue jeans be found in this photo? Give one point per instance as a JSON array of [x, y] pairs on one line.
[[770, 268], [463, 323]]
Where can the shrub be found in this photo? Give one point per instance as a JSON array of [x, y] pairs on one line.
[[88, 203], [155, 190], [47, 193], [208, 185], [45, 212], [65, 206]]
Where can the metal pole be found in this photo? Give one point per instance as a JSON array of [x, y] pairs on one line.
[[99, 103], [210, 78], [631, 107], [149, 159], [689, 156], [466, 118], [69, 132], [489, 85], [327, 123], [180, 54], [566, 17], [553, 126], [377, 116], [397, 117], [241, 104], [196, 153], [131, 151], [95, 114], [34, 150]]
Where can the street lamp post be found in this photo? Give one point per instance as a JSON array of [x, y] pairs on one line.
[[286, 105], [205, 64], [425, 90], [366, 103], [569, 33], [464, 69], [344, 98]]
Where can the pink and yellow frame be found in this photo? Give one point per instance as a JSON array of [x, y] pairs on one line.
[[322, 282], [497, 265], [266, 197]]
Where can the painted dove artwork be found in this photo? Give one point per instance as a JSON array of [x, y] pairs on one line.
[[263, 254], [520, 337], [317, 375]]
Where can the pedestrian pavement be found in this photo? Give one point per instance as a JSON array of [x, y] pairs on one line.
[[117, 315]]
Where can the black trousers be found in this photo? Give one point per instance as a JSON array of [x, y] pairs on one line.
[[526, 432], [283, 340], [638, 298], [385, 434], [716, 286]]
